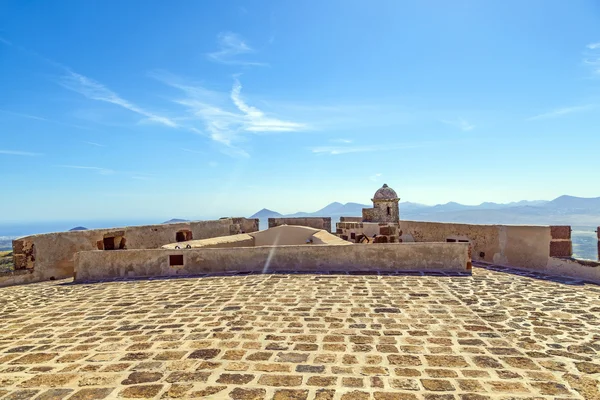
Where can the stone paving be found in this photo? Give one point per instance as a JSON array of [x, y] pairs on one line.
[[493, 335]]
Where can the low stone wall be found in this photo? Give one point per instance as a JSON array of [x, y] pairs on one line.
[[546, 249], [426, 257], [376, 232], [50, 256], [514, 245], [312, 222]]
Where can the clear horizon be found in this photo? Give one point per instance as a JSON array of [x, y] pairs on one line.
[[112, 111]]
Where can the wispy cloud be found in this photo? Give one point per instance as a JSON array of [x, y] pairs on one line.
[[101, 171], [231, 46], [96, 91], [345, 141], [19, 153], [460, 123], [375, 177], [95, 144], [6, 42], [38, 118], [593, 46], [141, 178], [193, 151], [226, 119], [591, 58], [256, 120], [337, 150], [559, 112]]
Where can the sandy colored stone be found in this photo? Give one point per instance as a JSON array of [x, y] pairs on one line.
[[48, 380], [141, 391], [290, 394], [247, 394], [92, 394]]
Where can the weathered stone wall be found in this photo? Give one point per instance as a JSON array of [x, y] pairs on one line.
[[427, 257], [515, 245], [598, 235], [351, 219], [50, 256], [561, 245], [311, 222], [382, 211], [546, 249], [375, 232]]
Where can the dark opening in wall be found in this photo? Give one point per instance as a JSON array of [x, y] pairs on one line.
[[176, 259], [112, 243], [183, 236], [389, 211], [482, 254], [352, 235], [463, 241], [451, 240]]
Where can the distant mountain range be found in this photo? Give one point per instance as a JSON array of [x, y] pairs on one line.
[[569, 210]]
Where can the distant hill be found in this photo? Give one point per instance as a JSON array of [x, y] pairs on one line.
[[266, 213], [568, 210], [175, 220], [574, 203], [78, 228]]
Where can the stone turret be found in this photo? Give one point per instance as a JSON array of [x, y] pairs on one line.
[[385, 206]]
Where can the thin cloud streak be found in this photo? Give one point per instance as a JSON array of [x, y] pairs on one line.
[[101, 171], [345, 141], [460, 123], [591, 58], [337, 150], [221, 125], [96, 91], [231, 45], [95, 144], [593, 46], [20, 153], [375, 177], [35, 117], [562, 112], [256, 119]]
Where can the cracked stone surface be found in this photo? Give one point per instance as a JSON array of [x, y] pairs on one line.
[[499, 334]]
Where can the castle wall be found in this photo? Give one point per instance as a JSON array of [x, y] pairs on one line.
[[50, 256], [546, 249], [378, 232], [311, 222], [424, 257]]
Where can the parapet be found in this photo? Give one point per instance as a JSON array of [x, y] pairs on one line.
[[50, 256], [311, 222]]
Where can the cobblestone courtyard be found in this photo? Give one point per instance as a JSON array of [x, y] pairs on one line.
[[494, 335]]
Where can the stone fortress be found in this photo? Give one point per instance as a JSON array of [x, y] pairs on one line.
[[296, 244], [380, 309]]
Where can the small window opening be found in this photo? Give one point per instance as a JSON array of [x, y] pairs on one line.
[[113, 243], [389, 211], [183, 236], [463, 241], [352, 235], [482, 254], [451, 240], [176, 259]]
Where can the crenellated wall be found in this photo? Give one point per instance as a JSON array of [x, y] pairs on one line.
[[50, 256], [311, 222]]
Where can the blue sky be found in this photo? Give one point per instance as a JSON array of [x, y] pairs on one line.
[[156, 109]]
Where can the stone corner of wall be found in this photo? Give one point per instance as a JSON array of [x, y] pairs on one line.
[[560, 231]]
